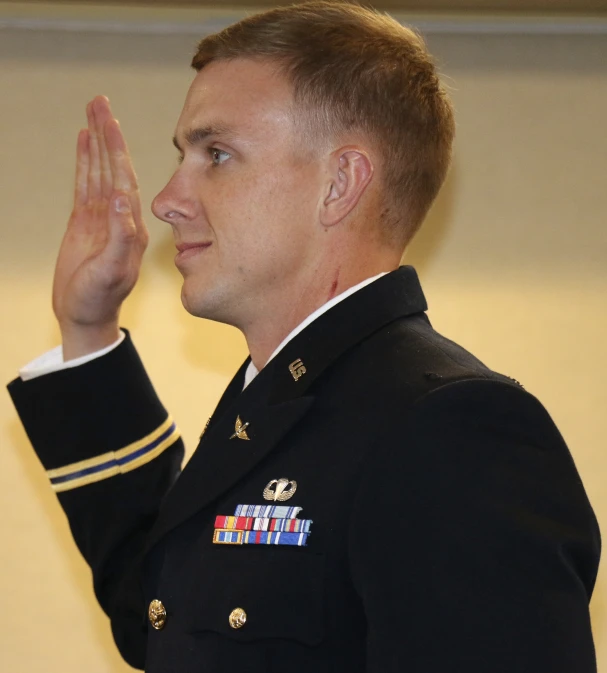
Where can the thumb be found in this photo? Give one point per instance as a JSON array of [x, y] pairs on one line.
[[122, 205], [122, 230]]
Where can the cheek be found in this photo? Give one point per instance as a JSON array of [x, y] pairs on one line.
[[267, 209], [243, 194], [287, 195]]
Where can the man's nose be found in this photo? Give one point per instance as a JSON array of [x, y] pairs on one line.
[[171, 204]]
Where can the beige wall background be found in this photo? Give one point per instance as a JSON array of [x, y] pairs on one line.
[[513, 259]]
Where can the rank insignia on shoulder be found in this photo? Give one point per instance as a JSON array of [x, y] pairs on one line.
[[262, 524]]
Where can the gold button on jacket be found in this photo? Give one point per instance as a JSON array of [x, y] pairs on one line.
[[157, 614], [238, 618]]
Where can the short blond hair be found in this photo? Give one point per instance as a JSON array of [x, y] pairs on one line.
[[355, 69]]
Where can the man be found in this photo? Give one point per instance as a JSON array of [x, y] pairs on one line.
[[367, 496]]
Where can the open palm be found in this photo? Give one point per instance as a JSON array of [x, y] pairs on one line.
[[100, 256]]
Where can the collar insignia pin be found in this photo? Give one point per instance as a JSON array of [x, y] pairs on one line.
[[280, 489], [297, 369], [240, 429]]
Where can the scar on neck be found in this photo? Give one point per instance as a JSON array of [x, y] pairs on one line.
[[333, 286]]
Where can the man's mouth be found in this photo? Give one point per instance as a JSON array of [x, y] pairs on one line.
[[187, 250]]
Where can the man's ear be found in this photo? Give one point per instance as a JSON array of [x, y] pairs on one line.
[[351, 171]]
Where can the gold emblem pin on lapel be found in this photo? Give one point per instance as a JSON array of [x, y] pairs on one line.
[[283, 489], [297, 369], [240, 429]]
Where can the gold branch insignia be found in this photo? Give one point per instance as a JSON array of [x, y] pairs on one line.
[[240, 429]]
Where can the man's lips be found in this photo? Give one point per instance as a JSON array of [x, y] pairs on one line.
[[187, 250], [182, 247]]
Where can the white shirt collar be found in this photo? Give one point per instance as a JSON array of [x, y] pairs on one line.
[[252, 370]]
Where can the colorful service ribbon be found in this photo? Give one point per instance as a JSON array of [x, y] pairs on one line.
[[262, 524]]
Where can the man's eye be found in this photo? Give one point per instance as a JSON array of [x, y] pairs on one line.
[[218, 156], [179, 159]]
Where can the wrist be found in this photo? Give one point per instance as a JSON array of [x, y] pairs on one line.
[[81, 340]]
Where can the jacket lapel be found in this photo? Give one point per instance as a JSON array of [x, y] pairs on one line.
[[221, 458]]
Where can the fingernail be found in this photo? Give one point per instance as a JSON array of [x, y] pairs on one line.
[[122, 204]]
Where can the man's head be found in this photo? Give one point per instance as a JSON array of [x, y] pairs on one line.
[[356, 73], [313, 136]]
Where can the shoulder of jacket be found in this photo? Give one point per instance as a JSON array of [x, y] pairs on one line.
[[407, 360]]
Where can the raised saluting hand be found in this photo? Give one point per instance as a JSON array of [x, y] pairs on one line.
[[100, 256]]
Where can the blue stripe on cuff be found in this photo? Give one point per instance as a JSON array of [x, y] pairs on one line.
[[116, 461]]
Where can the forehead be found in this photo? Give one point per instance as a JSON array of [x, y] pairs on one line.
[[244, 95]]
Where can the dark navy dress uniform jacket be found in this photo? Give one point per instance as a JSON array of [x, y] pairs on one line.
[[451, 532]]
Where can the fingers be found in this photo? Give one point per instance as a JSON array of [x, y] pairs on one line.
[[123, 173], [106, 173], [125, 244], [124, 178], [94, 173], [82, 168], [122, 227], [102, 114], [104, 165]]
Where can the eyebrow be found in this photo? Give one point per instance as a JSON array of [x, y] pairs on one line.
[[198, 135]]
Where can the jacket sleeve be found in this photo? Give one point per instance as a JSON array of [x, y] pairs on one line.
[[473, 545], [111, 453]]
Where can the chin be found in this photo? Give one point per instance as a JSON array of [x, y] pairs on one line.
[[193, 304], [203, 303]]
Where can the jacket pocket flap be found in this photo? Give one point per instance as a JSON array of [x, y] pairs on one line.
[[279, 590]]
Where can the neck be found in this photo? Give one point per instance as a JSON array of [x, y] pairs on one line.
[[295, 303]]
